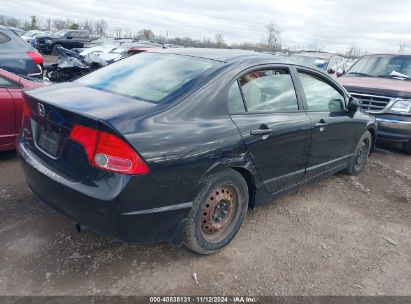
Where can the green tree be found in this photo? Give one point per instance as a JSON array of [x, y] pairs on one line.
[[33, 23], [74, 26]]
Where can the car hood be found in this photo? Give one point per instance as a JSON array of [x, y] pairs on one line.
[[377, 86]]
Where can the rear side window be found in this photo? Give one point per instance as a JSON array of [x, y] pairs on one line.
[[151, 77], [320, 95], [235, 100], [5, 83], [269, 91], [4, 38]]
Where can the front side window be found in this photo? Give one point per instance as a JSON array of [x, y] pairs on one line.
[[152, 77], [73, 34], [269, 91], [320, 95]]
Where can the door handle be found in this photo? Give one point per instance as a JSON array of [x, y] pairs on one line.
[[321, 125], [263, 130], [260, 132]]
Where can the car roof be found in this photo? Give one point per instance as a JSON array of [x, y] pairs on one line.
[[223, 55]]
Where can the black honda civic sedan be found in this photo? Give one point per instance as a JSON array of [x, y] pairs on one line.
[[176, 145]]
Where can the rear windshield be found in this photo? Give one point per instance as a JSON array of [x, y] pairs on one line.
[[10, 42], [318, 62], [152, 77]]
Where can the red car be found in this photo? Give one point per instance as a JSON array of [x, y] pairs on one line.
[[11, 106]]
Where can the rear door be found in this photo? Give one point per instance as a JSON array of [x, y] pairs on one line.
[[334, 128], [7, 113], [263, 104]]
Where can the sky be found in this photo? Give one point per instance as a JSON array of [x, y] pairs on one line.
[[332, 25]]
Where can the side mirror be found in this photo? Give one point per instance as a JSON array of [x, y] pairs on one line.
[[331, 71], [353, 105], [69, 36]]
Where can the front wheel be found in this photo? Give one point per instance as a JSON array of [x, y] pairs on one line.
[[54, 49], [360, 158], [407, 147], [217, 212]]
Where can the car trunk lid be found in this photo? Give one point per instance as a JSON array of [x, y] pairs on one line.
[[54, 110]]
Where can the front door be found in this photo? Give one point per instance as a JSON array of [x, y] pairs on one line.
[[264, 106]]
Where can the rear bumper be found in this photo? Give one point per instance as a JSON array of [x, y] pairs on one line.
[[392, 129], [110, 217]]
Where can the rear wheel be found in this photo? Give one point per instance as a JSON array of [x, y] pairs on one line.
[[407, 147], [217, 212], [360, 159], [54, 49]]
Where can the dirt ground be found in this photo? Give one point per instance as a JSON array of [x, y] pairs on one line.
[[49, 59], [339, 236]]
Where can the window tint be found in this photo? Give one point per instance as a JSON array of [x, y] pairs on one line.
[[235, 100], [152, 77], [4, 38], [269, 91], [5, 83], [320, 95]]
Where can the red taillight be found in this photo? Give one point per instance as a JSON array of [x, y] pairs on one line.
[[36, 57], [108, 152]]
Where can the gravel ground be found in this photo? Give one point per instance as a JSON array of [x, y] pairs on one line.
[[339, 236]]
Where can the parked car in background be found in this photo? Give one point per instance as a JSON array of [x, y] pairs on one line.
[[72, 65], [350, 62], [328, 62], [175, 145], [68, 39], [30, 36], [382, 83], [17, 56], [16, 30], [11, 106]]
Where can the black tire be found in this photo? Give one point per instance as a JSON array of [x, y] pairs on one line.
[[360, 158], [406, 147], [54, 49], [208, 228]]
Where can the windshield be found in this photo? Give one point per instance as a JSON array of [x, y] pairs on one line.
[[61, 33], [150, 77], [318, 62], [385, 66]]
